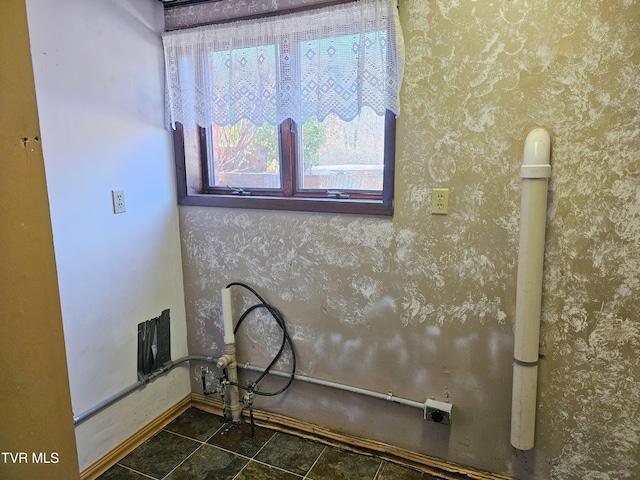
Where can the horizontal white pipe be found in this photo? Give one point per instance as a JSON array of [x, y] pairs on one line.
[[78, 419], [535, 173], [346, 388]]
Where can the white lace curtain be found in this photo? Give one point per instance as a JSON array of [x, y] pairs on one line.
[[331, 60]]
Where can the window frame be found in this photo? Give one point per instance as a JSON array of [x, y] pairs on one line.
[[289, 198]]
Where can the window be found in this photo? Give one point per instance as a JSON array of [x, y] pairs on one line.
[[290, 112]]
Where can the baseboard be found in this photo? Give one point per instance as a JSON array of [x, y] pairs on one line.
[[430, 465], [134, 441]]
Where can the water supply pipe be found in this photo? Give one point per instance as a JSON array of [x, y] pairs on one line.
[[535, 173]]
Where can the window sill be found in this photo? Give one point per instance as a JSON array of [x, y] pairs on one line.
[[321, 205]]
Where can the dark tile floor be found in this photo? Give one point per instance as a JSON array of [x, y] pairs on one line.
[[201, 446]]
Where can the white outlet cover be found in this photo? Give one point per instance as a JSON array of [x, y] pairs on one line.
[[118, 201]]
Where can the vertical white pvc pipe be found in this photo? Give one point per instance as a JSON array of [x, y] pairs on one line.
[[535, 173], [227, 316], [230, 349]]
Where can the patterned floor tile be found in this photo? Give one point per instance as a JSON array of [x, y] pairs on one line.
[[336, 464], [291, 453], [209, 463], [237, 438], [197, 424], [118, 472], [260, 471], [160, 454]]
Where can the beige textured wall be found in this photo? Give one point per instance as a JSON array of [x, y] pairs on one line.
[[424, 305], [35, 406]]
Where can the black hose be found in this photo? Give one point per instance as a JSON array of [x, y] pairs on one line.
[[286, 339]]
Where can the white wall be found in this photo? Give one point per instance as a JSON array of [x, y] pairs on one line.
[[99, 80]]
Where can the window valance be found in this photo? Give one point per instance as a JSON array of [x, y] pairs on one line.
[[335, 59]]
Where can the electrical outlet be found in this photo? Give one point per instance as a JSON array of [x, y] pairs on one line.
[[440, 201], [118, 201], [439, 412]]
